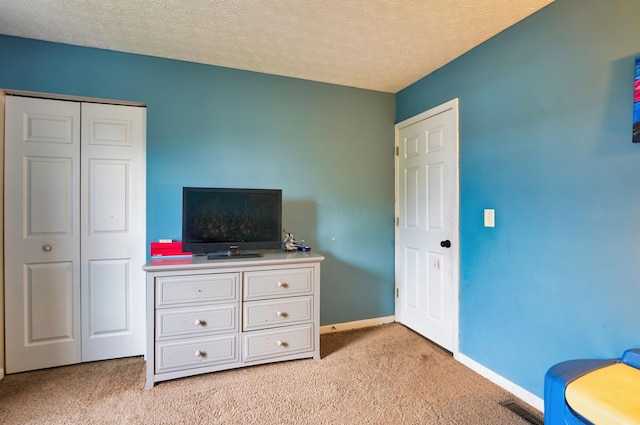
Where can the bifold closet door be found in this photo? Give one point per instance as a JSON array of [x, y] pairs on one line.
[[74, 232], [113, 231], [42, 233]]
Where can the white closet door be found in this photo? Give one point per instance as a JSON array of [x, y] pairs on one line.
[[113, 234], [41, 228], [74, 232]]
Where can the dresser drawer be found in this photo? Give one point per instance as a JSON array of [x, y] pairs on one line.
[[276, 312], [277, 283], [193, 353], [206, 288], [279, 342], [185, 322]]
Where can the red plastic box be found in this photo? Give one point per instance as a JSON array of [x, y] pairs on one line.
[[163, 249]]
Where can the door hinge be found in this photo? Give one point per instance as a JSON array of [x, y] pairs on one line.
[[397, 150], [397, 221], [397, 292]]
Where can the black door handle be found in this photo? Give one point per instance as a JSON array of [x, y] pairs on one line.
[[445, 244]]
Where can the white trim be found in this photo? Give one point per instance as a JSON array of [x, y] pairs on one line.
[[501, 381], [1, 373], [24, 93], [452, 104], [358, 324]]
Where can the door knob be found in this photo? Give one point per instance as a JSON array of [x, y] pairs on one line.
[[446, 244], [47, 248]]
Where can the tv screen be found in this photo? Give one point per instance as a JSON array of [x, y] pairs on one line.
[[230, 221]]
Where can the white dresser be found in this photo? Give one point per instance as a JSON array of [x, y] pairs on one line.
[[210, 315]]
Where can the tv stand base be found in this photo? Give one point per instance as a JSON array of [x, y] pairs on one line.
[[232, 254]]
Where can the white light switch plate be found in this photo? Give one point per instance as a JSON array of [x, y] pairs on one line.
[[489, 218]]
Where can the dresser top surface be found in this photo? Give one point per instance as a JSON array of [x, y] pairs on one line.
[[275, 257]]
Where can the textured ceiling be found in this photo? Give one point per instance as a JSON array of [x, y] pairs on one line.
[[382, 45]]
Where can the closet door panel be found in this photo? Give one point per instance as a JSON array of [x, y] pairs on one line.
[[113, 230], [109, 210], [48, 191], [109, 289], [49, 297], [41, 229]]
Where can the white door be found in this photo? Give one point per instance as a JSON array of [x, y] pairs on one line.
[[113, 232], [427, 224], [74, 232], [42, 233]]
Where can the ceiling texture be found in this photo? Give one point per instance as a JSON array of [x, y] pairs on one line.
[[382, 45]]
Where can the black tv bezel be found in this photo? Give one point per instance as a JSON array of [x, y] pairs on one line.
[[233, 247]]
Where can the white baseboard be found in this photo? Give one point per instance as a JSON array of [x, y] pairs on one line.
[[499, 380], [356, 324]]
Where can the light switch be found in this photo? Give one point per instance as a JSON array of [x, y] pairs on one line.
[[489, 218]]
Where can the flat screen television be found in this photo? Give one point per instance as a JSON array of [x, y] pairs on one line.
[[223, 222]]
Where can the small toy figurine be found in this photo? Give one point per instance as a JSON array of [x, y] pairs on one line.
[[291, 244]]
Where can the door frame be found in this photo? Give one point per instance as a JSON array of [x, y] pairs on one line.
[[2, 107], [450, 105]]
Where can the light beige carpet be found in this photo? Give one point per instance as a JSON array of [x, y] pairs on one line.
[[382, 375]]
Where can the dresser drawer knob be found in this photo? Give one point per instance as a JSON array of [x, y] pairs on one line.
[[200, 322], [201, 353], [281, 314], [283, 284], [281, 343]]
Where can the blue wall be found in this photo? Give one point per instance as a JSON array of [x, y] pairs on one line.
[[545, 139], [329, 148]]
